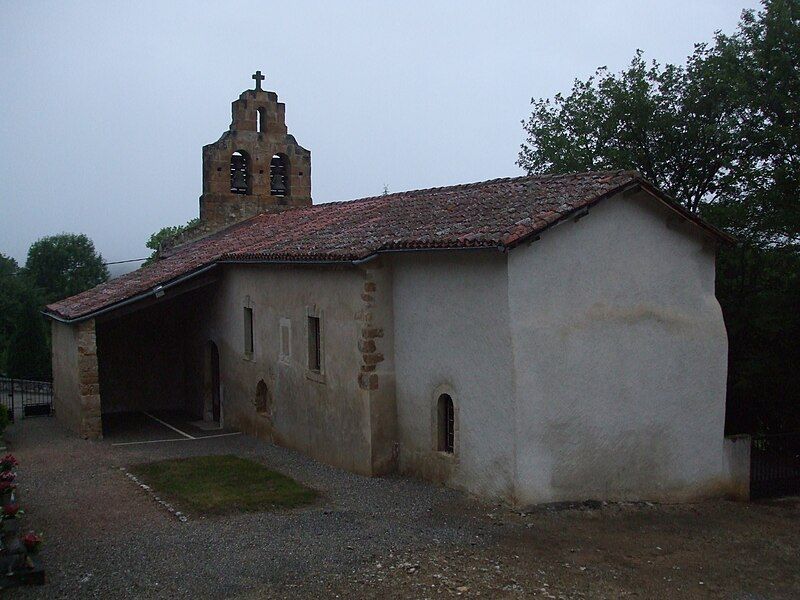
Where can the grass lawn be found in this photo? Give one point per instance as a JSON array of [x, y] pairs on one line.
[[222, 485]]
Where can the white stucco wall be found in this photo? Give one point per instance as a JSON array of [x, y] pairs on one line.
[[620, 356], [451, 328]]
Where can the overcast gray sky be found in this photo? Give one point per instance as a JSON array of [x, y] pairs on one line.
[[105, 106]]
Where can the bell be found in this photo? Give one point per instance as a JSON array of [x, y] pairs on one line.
[[239, 181], [277, 185]]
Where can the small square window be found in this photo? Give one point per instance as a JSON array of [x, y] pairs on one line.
[[248, 331]]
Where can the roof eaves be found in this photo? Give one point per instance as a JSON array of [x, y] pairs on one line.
[[716, 232], [61, 317], [515, 240]]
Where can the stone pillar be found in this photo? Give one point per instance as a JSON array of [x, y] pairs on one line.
[[90, 423]]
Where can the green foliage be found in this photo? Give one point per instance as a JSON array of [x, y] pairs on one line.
[[19, 304], [11, 292], [57, 267], [759, 290], [675, 124], [167, 233], [721, 134], [29, 353], [223, 485], [64, 265]]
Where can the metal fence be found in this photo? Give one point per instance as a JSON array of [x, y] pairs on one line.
[[26, 397], [775, 465]]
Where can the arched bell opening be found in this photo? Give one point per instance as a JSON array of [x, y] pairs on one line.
[[279, 176], [240, 172]]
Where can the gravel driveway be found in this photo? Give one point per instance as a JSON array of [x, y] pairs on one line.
[[105, 537], [387, 538]]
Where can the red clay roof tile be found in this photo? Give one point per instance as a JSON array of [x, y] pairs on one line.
[[498, 213]]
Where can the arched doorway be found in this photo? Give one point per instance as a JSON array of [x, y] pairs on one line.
[[213, 397]]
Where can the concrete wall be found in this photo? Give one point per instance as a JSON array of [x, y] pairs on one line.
[[737, 455], [620, 356], [452, 336], [339, 416]]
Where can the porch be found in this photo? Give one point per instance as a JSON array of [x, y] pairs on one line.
[[152, 356]]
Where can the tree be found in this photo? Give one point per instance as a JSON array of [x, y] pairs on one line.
[[10, 307], [22, 334], [165, 234], [721, 134], [64, 265], [674, 124], [28, 352]]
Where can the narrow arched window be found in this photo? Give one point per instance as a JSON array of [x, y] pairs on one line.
[[279, 175], [263, 400], [240, 179], [447, 424], [260, 120]]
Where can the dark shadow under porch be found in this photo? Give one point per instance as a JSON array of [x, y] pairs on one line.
[[153, 359]]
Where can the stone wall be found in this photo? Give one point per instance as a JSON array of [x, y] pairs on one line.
[[76, 383], [220, 207]]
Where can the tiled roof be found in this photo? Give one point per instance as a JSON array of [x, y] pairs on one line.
[[498, 213]]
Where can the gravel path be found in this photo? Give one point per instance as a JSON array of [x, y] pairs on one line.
[[105, 537], [378, 538]]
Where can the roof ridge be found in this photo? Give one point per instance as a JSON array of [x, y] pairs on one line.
[[224, 231], [474, 184]]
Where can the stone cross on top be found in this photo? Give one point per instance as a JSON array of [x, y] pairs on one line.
[[259, 78]]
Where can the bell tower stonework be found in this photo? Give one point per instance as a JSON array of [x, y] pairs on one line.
[[256, 166]]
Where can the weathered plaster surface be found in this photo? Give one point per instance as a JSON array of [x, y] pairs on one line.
[[76, 382], [335, 416], [620, 357], [737, 454], [66, 388], [452, 336]]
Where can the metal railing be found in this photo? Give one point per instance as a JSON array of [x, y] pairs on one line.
[[31, 398], [775, 465]]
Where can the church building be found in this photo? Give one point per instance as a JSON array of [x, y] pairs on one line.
[[528, 339]]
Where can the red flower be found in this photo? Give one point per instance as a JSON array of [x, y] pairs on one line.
[[32, 542], [8, 462], [7, 476], [6, 485], [11, 510]]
